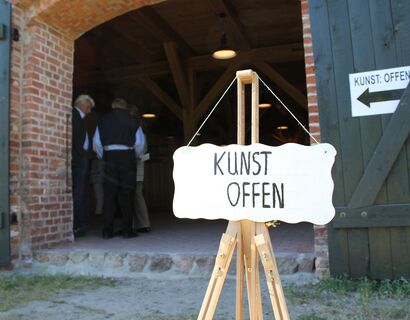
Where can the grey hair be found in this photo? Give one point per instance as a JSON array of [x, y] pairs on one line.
[[119, 103], [84, 97]]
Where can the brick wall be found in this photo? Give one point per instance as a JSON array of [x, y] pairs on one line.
[[75, 17], [40, 116], [15, 135], [321, 244], [41, 88]]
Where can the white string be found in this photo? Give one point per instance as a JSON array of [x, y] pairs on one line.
[[213, 109], [297, 120], [210, 113]]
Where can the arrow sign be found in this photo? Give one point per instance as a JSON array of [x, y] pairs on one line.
[[368, 97], [378, 91]]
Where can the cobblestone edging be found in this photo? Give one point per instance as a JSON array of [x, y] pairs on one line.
[[129, 264]]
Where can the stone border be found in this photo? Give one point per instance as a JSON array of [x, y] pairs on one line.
[[131, 264]]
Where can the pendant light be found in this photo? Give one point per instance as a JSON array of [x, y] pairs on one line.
[[223, 52]]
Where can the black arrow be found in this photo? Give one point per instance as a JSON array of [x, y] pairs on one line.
[[369, 97]]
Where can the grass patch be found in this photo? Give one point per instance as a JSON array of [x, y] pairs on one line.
[[19, 289], [365, 287], [343, 299]]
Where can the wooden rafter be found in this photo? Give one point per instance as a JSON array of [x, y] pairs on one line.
[[124, 73], [178, 72], [273, 54], [283, 84], [121, 29], [233, 25], [217, 89], [147, 18], [162, 96], [99, 35]]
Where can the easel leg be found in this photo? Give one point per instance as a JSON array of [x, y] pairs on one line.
[[223, 260], [251, 270], [240, 277], [277, 296]]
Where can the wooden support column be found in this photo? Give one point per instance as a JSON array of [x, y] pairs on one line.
[[185, 88]]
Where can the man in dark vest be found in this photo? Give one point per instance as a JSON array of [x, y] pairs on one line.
[[118, 142], [80, 163]]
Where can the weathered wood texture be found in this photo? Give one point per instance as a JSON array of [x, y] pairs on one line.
[[370, 235]]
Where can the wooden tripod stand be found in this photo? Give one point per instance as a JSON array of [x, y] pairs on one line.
[[250, 238]]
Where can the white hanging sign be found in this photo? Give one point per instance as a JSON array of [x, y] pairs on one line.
[[291, 183]]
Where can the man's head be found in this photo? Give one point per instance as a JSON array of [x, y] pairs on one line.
[[119, 103], [85, 103], [133, 109]]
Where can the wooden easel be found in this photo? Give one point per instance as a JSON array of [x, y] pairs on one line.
[[251, 239]]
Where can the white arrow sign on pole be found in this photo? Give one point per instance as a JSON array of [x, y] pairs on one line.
[[377, 92]]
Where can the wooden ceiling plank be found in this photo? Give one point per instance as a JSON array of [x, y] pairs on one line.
[[162, 96], [147, 18], [178, 72], [124, 73], [283, 84], [274, 54], [234, 26], [122, 32], [113, 43], [217, 89]]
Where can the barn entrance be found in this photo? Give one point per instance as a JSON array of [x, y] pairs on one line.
[[159, 58]]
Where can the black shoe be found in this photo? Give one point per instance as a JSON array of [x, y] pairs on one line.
[[129, 234], [107, 234], [144, 230], [118, 233], [79, 232]]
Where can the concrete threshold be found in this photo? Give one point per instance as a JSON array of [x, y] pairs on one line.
[[175, 248], [133, 264]]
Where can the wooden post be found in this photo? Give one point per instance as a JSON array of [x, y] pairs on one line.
[[250, 238]]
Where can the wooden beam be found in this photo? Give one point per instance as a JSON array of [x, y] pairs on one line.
[[233, 25], [188, 114], [147, 18], [121, 27], [100, 35], [162, 96], [178, 72], [217, 89], [273, 54], [392, 141], [131, 72], [283, 84]]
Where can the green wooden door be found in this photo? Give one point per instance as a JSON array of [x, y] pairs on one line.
[[370, 235], [5, 19]]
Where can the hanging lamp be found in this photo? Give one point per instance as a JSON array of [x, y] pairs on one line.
[[223, 52]]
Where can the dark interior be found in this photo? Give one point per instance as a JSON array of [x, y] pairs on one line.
[[159, 58]]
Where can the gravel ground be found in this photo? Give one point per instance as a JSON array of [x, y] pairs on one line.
[[181, 298]]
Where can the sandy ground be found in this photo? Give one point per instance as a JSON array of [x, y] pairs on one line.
[[144, 298], [181, 298]]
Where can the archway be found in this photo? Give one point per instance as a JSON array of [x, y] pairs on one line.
[[159, 58], [45, 220]]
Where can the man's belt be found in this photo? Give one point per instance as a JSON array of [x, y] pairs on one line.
[[112, 147]]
